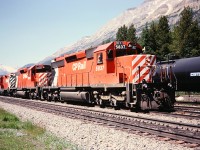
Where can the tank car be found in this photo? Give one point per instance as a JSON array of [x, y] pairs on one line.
[[187, 73], [115, 74]]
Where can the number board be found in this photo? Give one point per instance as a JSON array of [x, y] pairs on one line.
[[120, 45]]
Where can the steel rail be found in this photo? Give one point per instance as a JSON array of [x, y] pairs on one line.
[[122, 121]]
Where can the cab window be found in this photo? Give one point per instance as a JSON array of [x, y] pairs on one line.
[[120, 52], [110, 54], [100, 58], [128, 51]]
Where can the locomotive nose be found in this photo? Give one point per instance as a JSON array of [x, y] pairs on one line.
[[142, 68]]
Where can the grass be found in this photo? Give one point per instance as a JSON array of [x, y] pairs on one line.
[[53, 142], [17, 135], [8, 120]]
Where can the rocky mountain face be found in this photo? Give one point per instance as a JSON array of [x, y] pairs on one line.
[[150, 10], [6, 69]]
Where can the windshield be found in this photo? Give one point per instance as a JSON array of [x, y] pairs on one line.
[[129, 51], [123, 49]]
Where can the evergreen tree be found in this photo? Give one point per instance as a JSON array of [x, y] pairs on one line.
[[186, 35], [106, 41], [122, 33], [175, 42], [145, 40], [194, 39], [163, 37], [153, 46], [131, 34]]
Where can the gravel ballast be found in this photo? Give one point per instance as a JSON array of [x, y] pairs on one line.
[[88, 135]]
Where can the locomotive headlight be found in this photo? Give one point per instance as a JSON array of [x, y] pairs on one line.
[[144, 86], [169, 84]]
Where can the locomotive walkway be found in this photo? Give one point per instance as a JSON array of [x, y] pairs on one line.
[[172, 130]]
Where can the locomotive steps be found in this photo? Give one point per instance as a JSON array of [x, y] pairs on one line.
[[131, 123]]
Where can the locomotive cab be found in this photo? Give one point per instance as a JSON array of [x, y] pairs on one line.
[[31, 79], [38, 72], [112, 60]]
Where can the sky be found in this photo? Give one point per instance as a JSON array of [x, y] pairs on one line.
[[31, 30]]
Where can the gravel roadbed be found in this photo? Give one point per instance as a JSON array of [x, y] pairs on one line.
[[90, 136], [127, 112]]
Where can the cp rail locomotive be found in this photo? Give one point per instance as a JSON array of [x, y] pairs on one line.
[[116, 74]]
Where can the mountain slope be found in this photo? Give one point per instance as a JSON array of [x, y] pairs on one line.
[[147, 12], [6, 70]]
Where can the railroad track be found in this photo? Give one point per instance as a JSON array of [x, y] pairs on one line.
[[189, 102], [191, 108], [187, 112], [179, 115], [172, 130]]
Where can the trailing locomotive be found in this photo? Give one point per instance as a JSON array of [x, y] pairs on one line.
[[115, 74], [4, 84], [187, 73]]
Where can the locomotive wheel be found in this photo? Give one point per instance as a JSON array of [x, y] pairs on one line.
[[167, 104], [145, 102], [115, 104], [116, 107], [45, 96], [54, 98], [49, 98], [30, 96], [102, 103]]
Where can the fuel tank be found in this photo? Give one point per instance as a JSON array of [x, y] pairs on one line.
[[75, 96], [21, 94], [186, 72]]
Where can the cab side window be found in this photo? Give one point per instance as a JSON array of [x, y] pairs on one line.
[[110, 54], [100, 58]]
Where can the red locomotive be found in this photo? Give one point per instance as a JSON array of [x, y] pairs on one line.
[[31, 80], [115, 74], [4, 84]]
